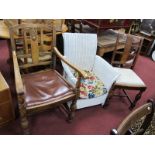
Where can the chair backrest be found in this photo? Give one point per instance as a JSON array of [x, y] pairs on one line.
[[130, 53], [33, 41], [59, 23], [146, 111], [80, 49]]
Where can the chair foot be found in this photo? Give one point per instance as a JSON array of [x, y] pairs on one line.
[[131, 107], [25, 127], [137, 97], [70, 117], [68, 120], [71, 114]]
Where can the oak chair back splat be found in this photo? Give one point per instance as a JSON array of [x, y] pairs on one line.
[[33, 43], [127, 57]]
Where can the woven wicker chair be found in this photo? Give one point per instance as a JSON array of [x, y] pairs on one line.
[[80, 50]]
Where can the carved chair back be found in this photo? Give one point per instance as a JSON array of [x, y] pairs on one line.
[[33, 43]]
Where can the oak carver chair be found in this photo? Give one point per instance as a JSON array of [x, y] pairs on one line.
[[38, 90], [128, 56], [144, 112], [80, 49]]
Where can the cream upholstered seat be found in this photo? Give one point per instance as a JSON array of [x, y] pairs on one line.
[[128, 78]]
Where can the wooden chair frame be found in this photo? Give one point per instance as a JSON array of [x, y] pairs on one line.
[[35, 62], [129, 46], [124, 55], [137, 97], [144, 110]]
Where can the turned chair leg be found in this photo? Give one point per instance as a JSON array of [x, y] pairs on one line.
[[137, 97], [23, 116], [24, 120], [72, 110]]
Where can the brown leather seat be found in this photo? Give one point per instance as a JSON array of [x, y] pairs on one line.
[[42, 88]]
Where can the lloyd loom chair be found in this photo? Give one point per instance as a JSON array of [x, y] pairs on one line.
[[43, 89], [80, 49], [144, 112]]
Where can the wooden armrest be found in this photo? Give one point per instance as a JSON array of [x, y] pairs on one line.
[[18, 79], [60, 56], [117, 52]]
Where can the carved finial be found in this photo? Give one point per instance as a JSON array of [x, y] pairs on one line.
[[33, 33]]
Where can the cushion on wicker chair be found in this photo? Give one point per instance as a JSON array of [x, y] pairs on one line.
[[91, 86]]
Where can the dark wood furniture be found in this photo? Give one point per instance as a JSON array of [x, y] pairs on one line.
[[106, 42], [45, 88], [97, 25], [128, 56], [103, 24], [74, 25], [147, 42], [145, 111], [6, 107]]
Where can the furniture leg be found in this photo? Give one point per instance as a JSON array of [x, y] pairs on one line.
[[126, 95], [22, 110], [138, 96], [72, 110], [111, 93], [106, 102]]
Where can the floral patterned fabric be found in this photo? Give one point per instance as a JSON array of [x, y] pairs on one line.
[[91, 86]]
